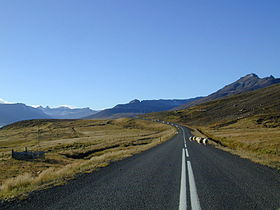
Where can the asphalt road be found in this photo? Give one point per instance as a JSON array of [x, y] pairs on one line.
[[172, 175]]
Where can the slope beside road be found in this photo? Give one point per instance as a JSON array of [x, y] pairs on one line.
[[154, 179]]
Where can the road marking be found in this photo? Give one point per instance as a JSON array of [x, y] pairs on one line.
[[194, 197], [195, 204], [187, 153], [183, 191], [184, 136]]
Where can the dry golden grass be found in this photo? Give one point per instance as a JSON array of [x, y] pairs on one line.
[[254, 137], [17, 182], [249, 140], [92, 144]]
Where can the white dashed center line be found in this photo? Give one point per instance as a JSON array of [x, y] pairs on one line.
[[195, 204], [183, 190]]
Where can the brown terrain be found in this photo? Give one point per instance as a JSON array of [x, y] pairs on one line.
[[246, 124]]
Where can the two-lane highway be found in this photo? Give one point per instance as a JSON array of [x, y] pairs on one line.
[[176, 174]]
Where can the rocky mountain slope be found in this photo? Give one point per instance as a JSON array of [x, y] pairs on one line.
[[244, 84]]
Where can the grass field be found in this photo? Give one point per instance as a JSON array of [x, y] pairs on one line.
[[248, 139], [73, 146]]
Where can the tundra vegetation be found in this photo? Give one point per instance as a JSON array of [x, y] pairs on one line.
[[246, 124], [73, 147]]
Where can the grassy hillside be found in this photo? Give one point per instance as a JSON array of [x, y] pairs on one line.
[[73, 146], [247, 124]]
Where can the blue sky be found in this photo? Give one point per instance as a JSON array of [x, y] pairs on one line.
[[89, 53]]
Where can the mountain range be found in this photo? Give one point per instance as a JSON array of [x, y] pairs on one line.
[[10, 113], [64, 112], [137, 107], [244, 84]]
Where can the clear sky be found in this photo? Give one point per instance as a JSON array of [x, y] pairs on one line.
[[99, 53]]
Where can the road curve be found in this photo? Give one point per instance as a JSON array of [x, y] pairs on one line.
[[211, 179]]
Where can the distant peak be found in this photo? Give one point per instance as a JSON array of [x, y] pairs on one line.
[[134, 101], [21, 104], [37, 106], [252, 75], [249, 77], [63, 107]]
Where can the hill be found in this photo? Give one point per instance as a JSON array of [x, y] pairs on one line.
[[64, 112], [244, 84], [10, 113], [263, 104], [137, 107], [246, 124]]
